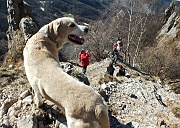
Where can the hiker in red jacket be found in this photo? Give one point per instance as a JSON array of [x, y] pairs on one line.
[[84, 60]]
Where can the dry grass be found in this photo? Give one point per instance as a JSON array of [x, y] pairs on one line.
[[76, 74], [108, 78], [175, 87], [163, 59], [176, 111]]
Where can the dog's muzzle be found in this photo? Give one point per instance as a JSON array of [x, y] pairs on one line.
[[76, 39]]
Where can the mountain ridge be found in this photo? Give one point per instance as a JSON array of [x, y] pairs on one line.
[[83, 10]]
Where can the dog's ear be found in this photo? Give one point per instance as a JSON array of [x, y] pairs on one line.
[[57, 25]]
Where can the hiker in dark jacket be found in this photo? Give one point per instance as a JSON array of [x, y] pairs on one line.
[[110, 69], [121, 71]]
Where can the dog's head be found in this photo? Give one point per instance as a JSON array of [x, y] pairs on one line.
[[64, 30]]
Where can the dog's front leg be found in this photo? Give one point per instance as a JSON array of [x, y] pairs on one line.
[[38, 99]]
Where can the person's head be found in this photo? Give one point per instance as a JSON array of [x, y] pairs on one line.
[[82, 51], [120, 66], [111, 63], [119, 39]]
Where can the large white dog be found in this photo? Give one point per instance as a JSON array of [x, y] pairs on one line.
[[83, 107]]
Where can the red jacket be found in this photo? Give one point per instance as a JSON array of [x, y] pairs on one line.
[[85, 59]]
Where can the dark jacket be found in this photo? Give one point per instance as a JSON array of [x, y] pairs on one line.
[[110, 70], [121, 72]]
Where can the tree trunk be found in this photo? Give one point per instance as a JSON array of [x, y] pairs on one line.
[[17, 9]]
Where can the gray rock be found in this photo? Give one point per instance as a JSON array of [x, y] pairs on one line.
[[27, 122], [28, 99], [6, 105], [24, 94]]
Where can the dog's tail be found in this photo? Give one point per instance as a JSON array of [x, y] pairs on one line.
[[102, 115]]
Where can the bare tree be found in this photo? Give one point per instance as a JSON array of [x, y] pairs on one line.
[[126, 19], [138, 14], [104, 32], [17, 9]]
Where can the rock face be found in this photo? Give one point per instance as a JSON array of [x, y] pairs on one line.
[[18, 11], [169, 46], [171, 28], [169, 11], [164, 58], [136, 102]]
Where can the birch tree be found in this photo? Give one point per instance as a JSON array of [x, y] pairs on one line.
[[138, 14], [104, 32], [128, 19]]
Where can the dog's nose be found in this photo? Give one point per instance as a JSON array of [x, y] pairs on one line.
[[86, 30]]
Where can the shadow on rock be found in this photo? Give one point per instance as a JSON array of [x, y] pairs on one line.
[[114, 123], [83, 78], [50, 114]]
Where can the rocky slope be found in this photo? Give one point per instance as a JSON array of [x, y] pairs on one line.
[[140, 101]]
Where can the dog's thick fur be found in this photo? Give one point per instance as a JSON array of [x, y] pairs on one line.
[[84, 108]]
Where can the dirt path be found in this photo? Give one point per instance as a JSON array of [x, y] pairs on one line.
[[97, 70]]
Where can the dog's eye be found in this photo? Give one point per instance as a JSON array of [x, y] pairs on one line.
[[71, 25]]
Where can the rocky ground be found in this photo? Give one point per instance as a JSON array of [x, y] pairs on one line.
[[141, 101]]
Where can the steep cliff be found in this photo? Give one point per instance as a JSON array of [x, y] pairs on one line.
[[164, 57]]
